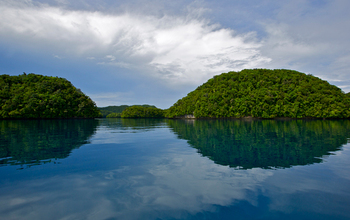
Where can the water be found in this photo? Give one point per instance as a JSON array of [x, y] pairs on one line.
[[174, 169]]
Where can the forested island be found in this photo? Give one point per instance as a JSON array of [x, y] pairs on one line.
[[263, 93], [37, 96], [116, 111], [250, 93], [142, 112]]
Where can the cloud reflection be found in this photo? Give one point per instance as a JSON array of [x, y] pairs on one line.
[[177, 183], [170, 180]]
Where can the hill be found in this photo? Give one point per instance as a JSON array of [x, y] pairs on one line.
[[263, 93], [142, 112], [117, 109], [37, 96]]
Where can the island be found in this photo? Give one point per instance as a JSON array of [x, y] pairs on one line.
[[263, 93], [250, 93], [142, 112], [116, 111], [33, 96]]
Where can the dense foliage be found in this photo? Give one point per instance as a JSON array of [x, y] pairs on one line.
[[105, 111], [266, 94], [246, 144], [37, 96], [142, 112], [114, 115], [34, 142]]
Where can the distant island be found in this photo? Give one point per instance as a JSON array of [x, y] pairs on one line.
[[37, 97], [116, 111], [263, 93], [250, 93]]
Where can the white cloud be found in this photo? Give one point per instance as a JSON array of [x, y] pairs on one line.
[[111, 57], [182, 50], [202, 51], [185, 49], [58, 57], [310, 37], [118, 98]]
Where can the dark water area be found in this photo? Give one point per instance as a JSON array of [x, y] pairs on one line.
[[32, 142], [174, 169], [263, 143]]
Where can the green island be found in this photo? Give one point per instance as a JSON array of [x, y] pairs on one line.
[[36, 96], [142, 112], [263, 93], [116, 111], [250, 93]]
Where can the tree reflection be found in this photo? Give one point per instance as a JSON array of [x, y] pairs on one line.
[[132, 123], [33, 142], [246, 144]]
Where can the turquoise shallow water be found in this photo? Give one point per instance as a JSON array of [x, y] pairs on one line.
[[174, 169]]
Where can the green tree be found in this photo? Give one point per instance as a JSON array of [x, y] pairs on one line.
[[114, 115], [142, 112], [263, 93], [37, 96], [117, 109]]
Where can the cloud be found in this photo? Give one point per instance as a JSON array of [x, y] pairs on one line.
[[181, 49], [170, 48], [118, 98], [58, 57], [201, 51], [310, 37]]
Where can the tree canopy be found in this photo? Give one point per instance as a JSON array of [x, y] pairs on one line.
[[142, 112], [114, 115], [115, 111], [264, 93], [37, 96]]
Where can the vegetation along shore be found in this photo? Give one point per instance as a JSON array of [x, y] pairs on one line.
[[36, 96], [263, 93], [250, 93]]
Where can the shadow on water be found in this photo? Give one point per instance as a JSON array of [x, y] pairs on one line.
[[34, 142], [244, 144]]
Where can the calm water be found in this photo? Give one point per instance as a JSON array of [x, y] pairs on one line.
[[174, 169]]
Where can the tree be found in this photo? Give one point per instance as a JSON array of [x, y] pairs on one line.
[[142, 112], [37, 96], [263, 93]]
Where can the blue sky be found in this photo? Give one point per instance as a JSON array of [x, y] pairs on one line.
[[156, 51]]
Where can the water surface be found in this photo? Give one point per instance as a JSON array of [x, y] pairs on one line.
[[174, 169]]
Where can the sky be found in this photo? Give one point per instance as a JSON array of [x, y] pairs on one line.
[[128, 52]]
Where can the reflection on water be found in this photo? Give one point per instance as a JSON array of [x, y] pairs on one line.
[[241, 144], [140, 124], [263, 143], [34, 142], [151, 169]]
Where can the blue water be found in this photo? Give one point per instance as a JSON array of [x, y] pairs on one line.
[[174, 169]]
